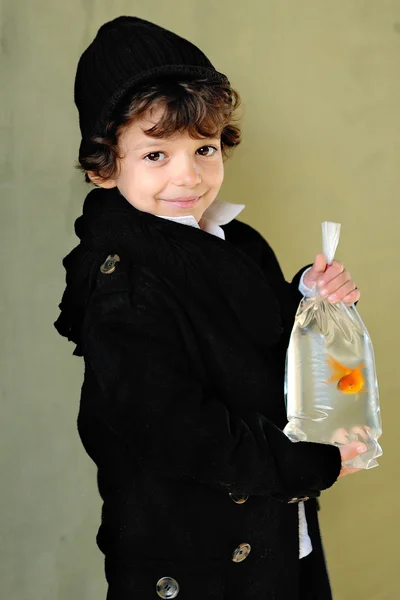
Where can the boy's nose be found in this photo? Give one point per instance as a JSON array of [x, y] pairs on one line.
[[187, 173]]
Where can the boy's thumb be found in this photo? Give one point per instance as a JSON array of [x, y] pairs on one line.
[[319, 265], [349, 451]]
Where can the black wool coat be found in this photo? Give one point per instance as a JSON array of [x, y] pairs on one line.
[[182, 409]]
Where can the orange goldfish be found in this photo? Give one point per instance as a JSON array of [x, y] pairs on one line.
[[350, 381]]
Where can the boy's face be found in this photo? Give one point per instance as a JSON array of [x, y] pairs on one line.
[[158, 175]]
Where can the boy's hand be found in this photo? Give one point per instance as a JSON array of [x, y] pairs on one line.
[[348, 452], [335, 283]]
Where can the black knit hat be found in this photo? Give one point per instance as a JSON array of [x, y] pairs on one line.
[[125, 52]]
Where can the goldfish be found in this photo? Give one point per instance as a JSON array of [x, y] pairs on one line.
[[350, 381]]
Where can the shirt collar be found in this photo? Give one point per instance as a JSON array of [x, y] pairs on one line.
[[217, 214]]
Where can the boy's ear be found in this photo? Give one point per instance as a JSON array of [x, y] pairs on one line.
[[104, 183]]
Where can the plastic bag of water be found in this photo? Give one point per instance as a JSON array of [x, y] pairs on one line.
[[331, 387]]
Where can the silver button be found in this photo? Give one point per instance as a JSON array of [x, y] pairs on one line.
[[239, 498], [108, 265], [167, 587], [241, 552], [299, 499]]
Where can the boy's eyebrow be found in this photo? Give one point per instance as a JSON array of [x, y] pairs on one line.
[[147, 144]]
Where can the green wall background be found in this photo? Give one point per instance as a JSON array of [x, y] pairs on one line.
[[321, 94]]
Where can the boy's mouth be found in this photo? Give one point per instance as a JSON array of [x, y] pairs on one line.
[[184, 201]]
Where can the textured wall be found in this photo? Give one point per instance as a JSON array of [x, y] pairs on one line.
[[321, 93]]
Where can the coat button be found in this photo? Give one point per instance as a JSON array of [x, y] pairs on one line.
[[239, 498], [299, 499], [108, 265], [241, 552], [167, 587]]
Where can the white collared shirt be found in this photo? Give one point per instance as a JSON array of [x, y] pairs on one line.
[[217, 214], [221, 213]]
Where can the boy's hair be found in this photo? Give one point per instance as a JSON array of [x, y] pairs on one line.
[[202, 108]]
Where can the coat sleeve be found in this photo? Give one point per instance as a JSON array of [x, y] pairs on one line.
[[135, 351]]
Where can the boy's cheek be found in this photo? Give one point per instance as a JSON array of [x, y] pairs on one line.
[[219, 176]]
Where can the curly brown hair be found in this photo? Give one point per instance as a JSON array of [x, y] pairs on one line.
[[202, 109]]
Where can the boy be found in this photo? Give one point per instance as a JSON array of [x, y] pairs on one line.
[[183, 316]]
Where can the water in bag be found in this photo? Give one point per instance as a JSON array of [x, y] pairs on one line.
[[331, 387]]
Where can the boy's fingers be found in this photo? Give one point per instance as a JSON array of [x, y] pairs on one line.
[[334, 270], [334, 285], [353, 297], [341, 436], [337, 266], [339, 294], [349, 451], [362, 431]]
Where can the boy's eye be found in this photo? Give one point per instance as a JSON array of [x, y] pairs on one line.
[[158, 156], [207, 150], [154, 156]]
